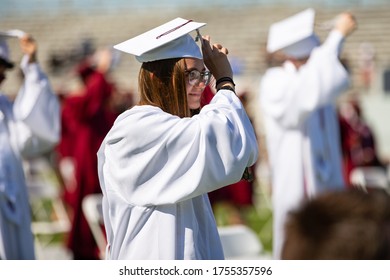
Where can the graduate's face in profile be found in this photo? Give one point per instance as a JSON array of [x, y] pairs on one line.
[[196, 77], [298, 62]]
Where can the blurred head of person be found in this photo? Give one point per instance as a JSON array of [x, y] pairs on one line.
[[294, 37], [342, 225], [5, 63], [84, 70]]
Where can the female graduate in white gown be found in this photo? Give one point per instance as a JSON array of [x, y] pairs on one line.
[[158, 163], [28, 127]]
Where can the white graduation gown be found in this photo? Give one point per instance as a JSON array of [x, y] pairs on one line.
[[29, 126], [155, 170], [302, 131]]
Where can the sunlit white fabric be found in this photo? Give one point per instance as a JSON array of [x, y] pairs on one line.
[[302, 130], [155, 171]]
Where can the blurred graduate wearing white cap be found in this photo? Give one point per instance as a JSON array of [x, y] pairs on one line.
[[159, 161], [297, 102], [29, 126]]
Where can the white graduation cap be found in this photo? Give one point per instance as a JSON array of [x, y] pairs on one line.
[[4, 50], [170, 40], [14, 33], [294, 35]]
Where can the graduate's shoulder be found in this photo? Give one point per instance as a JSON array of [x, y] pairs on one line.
[[140, 119], [138, 114]]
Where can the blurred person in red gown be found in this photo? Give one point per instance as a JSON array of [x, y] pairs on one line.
[[87, 116], [357, 139], [233, 199]]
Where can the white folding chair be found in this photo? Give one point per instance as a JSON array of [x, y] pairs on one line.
[[240, 242], [50, 219], [92, 209], [364, 177]]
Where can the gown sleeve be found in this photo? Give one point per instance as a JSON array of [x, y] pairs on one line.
[[154, 158], [36, 112], [289, 95]]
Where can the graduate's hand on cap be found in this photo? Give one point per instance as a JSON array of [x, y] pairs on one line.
[[29, 47], [345, 23], [215, 59]]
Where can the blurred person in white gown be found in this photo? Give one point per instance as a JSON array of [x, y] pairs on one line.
[[29, 126], [297, 101]]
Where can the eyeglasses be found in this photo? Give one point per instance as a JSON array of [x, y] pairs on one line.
[[195, 77]]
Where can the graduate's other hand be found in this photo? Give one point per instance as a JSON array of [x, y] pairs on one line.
[[346, 23], [29, 47], [215, 59], [102, 59]]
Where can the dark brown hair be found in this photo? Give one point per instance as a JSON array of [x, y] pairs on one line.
[[162, 83], [344, 225]]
